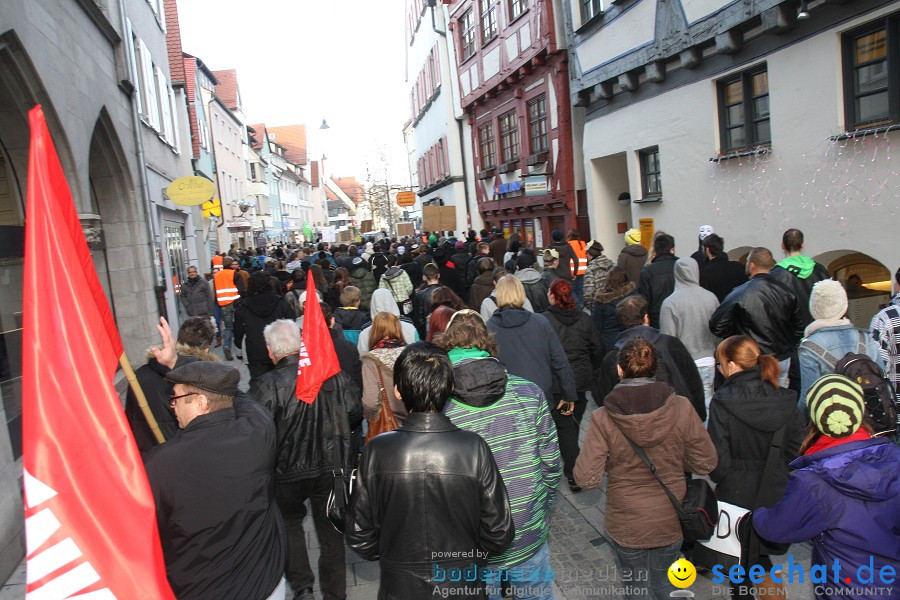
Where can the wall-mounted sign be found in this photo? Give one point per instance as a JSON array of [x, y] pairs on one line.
[[536, 185], [238, 225], [406, 198], [646, 226], [213, 208], [191, 191], [508, 188]]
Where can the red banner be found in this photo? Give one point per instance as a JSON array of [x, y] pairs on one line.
[[318, 360], [90, 521]]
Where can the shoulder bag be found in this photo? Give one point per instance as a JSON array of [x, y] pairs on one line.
[[699, 511], [385, 420]]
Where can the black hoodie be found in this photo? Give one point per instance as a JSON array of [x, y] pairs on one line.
[[579, 339], [251, 317], [743, 416]]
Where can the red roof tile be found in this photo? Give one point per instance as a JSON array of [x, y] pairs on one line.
[[173, 42], [227, 88], [293, 139], [349, 185], [257, 139]]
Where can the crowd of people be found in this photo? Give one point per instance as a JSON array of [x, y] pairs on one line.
[[476, 354]]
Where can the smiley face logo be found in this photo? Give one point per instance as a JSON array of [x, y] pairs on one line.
[[682, 573]]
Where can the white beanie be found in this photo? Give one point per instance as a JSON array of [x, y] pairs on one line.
[[828, 300]]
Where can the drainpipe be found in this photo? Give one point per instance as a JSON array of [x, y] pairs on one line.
[[160, 284]]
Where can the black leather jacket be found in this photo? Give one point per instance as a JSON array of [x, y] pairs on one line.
[[311, 438], [428, 487], [422, 307], [766, 311]]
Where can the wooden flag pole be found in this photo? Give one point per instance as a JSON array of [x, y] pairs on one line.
[[141, 399]]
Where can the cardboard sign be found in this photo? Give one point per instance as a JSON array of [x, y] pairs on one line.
[[439, 218], [405, 229], [367, 225]]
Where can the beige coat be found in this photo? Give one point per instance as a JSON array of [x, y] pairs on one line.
[[666, 426], [371, 361]]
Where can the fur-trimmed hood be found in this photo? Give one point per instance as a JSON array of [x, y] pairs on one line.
[[185, 350], [607, 297]]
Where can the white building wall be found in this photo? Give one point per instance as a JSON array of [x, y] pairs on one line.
[[228, 135], [844, 195]]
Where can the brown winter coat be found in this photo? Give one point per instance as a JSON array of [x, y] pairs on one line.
[[384, 358], [481, 289], [497, 250], [666, 426]]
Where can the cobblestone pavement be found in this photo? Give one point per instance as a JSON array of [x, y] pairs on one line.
[[584, 562]]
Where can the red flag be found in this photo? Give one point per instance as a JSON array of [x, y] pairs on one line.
[[90, 520], [318, 360]]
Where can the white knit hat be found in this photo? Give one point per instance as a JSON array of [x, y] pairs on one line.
[[828, 300]]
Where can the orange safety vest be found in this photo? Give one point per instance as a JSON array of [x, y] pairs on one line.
[[216, 262], [226, 288], [579, 248]]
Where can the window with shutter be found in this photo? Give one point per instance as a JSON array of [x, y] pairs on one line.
[[165, 108], [176, 137]]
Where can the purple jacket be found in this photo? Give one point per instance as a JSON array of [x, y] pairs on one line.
[[846, 499]]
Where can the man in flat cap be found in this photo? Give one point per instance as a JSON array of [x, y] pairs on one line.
[[222, 534]]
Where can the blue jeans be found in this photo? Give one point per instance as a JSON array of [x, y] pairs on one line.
[[647, 570], [531, 580], [227, 326], [578, 291], [707, 375], [784, 378]]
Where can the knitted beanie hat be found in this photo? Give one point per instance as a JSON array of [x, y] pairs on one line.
[[828, 300], [836, 405], [633, 236]]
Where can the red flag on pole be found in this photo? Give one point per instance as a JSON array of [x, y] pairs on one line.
[[90, 521], [318, 360]]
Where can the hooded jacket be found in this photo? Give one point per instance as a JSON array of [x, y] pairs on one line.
[[799, 273], [362, 277], [638, 512], [397, 281], [604, 315], [535, 288], [197, 297], [685, 313], [579, 339], [481, 289], [656, 283], [568, 260], [744, 414], [846, 499], [350, 318], [632, 259], [721, 275], [383, 301], [595, 278], [765, 310], [530, 349], [675, 367], [252, 315], [512, 416]]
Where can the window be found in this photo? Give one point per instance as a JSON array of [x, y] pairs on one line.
[[650, 177], [509, 137], [590, 9], [467, 34], [488, 20], [744, 110], [537, 124], [486, 142], [870, 84], [516, 8]]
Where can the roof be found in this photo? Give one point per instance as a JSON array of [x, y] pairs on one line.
[[293, 139], [351, 187], [257, 139], [227, 88], [173, 42]]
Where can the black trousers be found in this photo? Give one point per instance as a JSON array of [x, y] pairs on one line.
[[567, 428], [291, 499]]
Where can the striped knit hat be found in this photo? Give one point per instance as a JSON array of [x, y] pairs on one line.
[[836, 405]]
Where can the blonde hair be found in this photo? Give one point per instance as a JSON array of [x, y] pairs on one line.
[[510, 292], [385, 325]]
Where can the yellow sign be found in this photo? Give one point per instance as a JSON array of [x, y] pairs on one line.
[[191, 191], [646, 226], [213, 208], [406, 198]]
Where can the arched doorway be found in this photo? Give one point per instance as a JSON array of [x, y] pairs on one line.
[[867, 281]]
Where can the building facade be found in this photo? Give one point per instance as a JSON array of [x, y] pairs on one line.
[[751, 118], [512, 74], [434, 132]]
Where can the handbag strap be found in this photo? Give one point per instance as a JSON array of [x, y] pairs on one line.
[[643, 456], [385, 405]]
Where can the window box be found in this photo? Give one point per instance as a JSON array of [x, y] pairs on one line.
[[487, 173], [536, 159]]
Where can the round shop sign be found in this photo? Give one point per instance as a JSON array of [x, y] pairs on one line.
[[406, 198], [191, 191]]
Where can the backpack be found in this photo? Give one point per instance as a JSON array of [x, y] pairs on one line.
[[878, 391]]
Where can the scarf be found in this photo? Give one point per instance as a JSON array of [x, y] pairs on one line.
[[825, 442], [389, 344], [822, 323]]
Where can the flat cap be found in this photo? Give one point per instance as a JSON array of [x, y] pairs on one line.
[[208, 376]]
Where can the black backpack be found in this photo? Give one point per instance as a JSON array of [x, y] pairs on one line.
[[881, 400]]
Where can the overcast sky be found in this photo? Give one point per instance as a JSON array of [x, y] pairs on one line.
[[301, 60]]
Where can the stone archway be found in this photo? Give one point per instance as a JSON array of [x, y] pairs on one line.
[[867, 280]]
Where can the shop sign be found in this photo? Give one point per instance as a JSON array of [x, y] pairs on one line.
[[536, 185], [191, 190]]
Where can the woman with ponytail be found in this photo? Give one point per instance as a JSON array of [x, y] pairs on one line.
[[745, 413]]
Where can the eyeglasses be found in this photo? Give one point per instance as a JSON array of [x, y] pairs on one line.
[[172, 399]]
